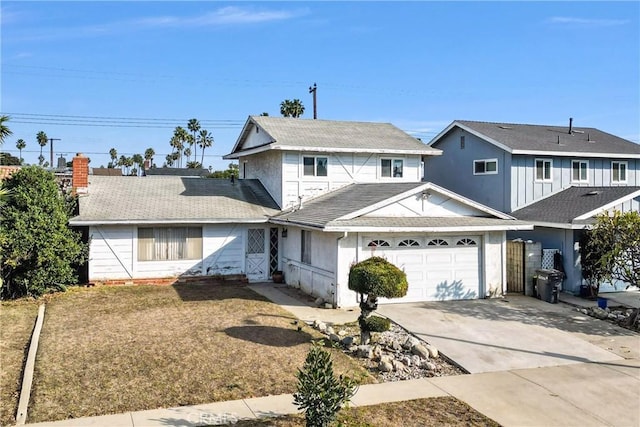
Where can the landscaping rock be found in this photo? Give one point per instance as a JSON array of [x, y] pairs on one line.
[[433, 351], [364, 352], [420, 350], [347, 341], [321, 326], [385, 366], [395, 345], [398, 365], [410, 342], [330, 330], [334, 337], [342, 332]]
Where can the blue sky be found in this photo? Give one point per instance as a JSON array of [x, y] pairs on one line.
[[418, 65]]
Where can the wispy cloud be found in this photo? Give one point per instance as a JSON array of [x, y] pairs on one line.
[[231, 15], [586, 22]]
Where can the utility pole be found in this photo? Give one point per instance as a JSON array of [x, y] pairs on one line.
[[51, 152], [313, 89]]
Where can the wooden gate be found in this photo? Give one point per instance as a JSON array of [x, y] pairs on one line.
[[523, 259]]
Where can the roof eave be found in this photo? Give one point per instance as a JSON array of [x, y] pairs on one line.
[[575, 154], [608, 206], [440, 229], [99, 222]]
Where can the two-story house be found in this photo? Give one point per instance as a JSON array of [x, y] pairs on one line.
[[313, 197], [556, 177]]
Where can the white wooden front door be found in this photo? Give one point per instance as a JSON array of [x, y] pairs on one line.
[[256, 259]]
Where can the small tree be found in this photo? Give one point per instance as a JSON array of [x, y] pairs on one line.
[[593, 272], [320, 394], [39, 250], [373, 278]]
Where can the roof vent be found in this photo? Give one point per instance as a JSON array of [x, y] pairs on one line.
[[592, 193], [504, 127]]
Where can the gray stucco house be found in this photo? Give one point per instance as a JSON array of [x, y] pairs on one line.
[[556, 177]]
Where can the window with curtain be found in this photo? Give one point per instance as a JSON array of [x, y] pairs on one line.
[[169, 243]]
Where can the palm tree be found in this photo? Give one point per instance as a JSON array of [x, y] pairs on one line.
[[42, 139], [128, 162], [290, 108], [187, 152], [169, 160], [4, 129], [148, 155], [180, 136], [20, 144], [194, 126], [122, 162], [114, 157], [205, 140], [137, 159]]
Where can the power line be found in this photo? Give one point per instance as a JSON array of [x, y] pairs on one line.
[[121, 118]]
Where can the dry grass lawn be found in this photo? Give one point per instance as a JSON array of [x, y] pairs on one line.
[[115, 349], [17, 320], [432, 412]]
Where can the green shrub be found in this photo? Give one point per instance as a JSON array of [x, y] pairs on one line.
[[377, 324], [320, 394], [377, 276]]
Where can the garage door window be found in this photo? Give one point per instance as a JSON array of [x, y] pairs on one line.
[[466, 242], [408, 243], [376, 243], [437, 242]]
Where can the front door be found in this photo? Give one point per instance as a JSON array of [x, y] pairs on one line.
[[256, 262]]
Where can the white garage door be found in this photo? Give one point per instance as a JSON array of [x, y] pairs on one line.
[[437, 268]]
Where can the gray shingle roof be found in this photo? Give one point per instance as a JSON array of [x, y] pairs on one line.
[[325, 210], [129, 199], [564, 206], [353, 197], [335, 135], [177, 171], [543, 138]]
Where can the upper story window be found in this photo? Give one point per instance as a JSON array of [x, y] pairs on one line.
[[579, 170], [543, 170], [462, 142], [485, 167], [314, 166], [619, 172], [391, 168]]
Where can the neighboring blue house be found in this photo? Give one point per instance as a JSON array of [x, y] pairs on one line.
[[556, 177]]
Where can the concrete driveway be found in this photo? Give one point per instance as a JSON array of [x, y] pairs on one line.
[[516, 332]]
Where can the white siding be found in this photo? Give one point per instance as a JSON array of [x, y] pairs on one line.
[[436, 205], [343, 169], [113, 254], [266, 167], [495, 263], [255, 138], [318, 278]]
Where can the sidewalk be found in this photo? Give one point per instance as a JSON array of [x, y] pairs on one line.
[[579, 394]]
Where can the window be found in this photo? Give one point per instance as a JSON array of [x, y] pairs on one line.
[[314, 166], [376, 243], [579, 170], [543, 170], [305, 245], [437, 242], [408, 243], [462, 142], [466, 242], [391, 168], [485, 167], [169, 243], [619, 172]]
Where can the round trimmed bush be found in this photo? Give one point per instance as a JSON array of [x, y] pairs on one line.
[[377, 276]]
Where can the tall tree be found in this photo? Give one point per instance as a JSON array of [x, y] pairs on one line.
[[205, 140], [42, 139], [148, 155], [289, 108], [180, 137], [194, 126], [187, 153], [114, 158], [5, 132], [139, 160], [20, 144], [39, 250]]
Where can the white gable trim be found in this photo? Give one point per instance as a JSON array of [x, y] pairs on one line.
[[441, 229], [427, 186], [607, 206]]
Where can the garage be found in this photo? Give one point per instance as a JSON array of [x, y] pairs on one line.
[[438, 268]]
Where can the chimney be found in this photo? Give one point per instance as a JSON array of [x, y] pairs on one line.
[[570, 125], [80, 177]]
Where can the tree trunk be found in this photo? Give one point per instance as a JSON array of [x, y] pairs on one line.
[[367, 307]]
